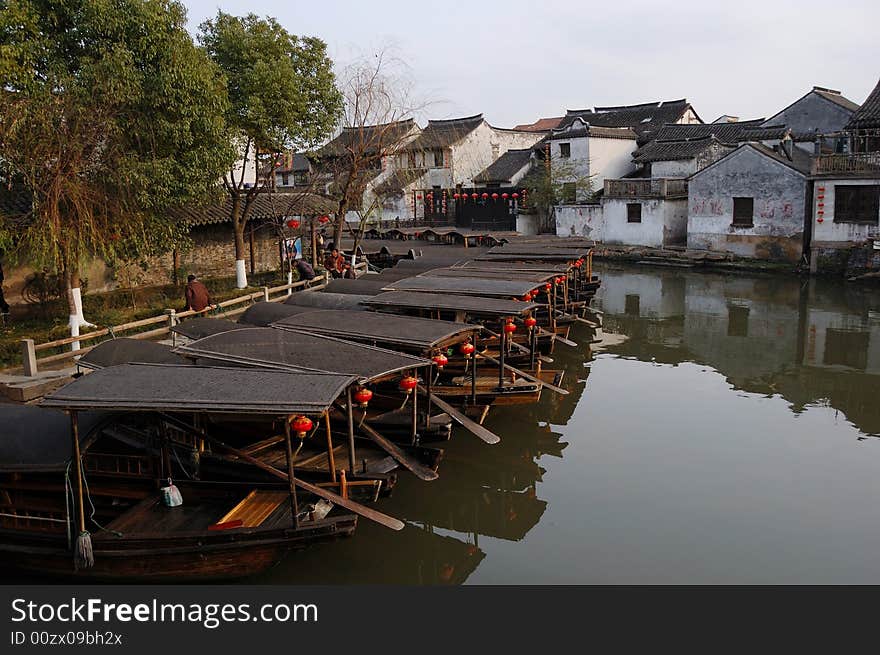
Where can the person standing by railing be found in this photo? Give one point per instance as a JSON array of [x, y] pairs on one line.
[[198, 298]]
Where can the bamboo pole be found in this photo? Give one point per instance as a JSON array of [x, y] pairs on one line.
[[350, 416], [290, 477], [331, 458]]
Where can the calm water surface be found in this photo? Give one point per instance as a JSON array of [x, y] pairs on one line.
[[724, 431]]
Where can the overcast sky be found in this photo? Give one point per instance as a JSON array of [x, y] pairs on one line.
[[518, 60]]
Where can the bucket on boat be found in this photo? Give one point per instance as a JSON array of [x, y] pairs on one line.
[[171, 495]]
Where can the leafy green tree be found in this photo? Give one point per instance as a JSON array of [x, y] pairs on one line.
[[282, 97], [555, 182], [110, 115]]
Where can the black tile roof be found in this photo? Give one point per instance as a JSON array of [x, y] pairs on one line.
[[826, 94], [443, 133], [581, 128], [727, 132], [676, 150], [369, 138], [505, 167], [268, 204], [643, 118], [868, 115], [765, 133]]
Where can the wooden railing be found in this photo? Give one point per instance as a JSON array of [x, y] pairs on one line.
[[661, 187], [863, 162], [164, 322]]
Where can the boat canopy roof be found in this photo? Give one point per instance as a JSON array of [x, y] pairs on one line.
[[537, 277], [327, 300], [264, 313], [498, 266], [487, 287], [203, 326], [38, 439], [475, 305], [165, 387], [368, 285], [125, 351], [375, 326], [300, 351]]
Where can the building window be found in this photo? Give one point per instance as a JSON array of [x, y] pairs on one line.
[[631, 304], [846, 348], [743, 212], [856, 204], [438, 158], [633, 212], [565, 150], [737, 321], [569, 192]]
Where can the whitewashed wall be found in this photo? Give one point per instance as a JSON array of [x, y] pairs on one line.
[[830, 232], [580, 220]]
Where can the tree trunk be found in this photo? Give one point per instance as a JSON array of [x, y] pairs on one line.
[[340, 222]]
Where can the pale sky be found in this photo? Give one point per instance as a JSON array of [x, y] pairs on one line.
[[516, 61]]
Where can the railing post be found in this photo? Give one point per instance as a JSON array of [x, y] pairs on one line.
[[289, 282], [266, 294], [28, 357], [172, 321]]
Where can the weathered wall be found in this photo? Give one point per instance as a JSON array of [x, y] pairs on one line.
[[664, 222], [578, 164], [812, 113], [475, 152], [212, 255], [828, 232], [680, 168], [779, 194], [580, 220], [611, 158]]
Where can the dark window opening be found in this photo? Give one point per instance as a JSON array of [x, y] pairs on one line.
[[438, 158], [565, 150], [633, 212], [856, 204], [569, 192], [846, 348], [737, 321], [631, 305], [743, 212]]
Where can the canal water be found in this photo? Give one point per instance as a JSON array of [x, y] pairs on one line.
[[724, 430]]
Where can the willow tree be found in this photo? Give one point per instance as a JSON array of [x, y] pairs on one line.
[[110, 114], [282, 97]]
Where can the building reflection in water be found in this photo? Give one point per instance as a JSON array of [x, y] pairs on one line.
[[814, 342]]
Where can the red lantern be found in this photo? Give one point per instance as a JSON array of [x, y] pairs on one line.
[[547, 287], [485, 195], [467, 349], [527, 297], [440, 360], [429, 195], [456, 195], [293, 223], [504, 196], [509, 328], [418, 196], [494, 196], [302, 425], [324, 219], [474, 196], [559, 280], [515, 196], [408, 383], [363, 396], [530, 322]]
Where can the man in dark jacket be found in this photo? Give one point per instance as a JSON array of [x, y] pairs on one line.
[[304, 269], [197, 295]]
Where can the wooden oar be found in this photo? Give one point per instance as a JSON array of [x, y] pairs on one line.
[[350, 505], [525, 375], [399, 456], [519, 346], [471, 426], [592, 324], [567, 342]]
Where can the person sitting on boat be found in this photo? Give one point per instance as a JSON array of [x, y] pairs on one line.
[[335, 263], [197, 295]]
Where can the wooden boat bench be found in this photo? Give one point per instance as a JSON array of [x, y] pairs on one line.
[[253, 510]]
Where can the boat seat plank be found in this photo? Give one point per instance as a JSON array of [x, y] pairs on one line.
[[255, 508]]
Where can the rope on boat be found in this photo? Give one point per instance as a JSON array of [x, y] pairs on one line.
[[115, 533], [34, 518]]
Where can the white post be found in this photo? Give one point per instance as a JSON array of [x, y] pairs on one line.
[[289, 282], [172, 321], [265, 294], [240, 274], [74, 331]]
